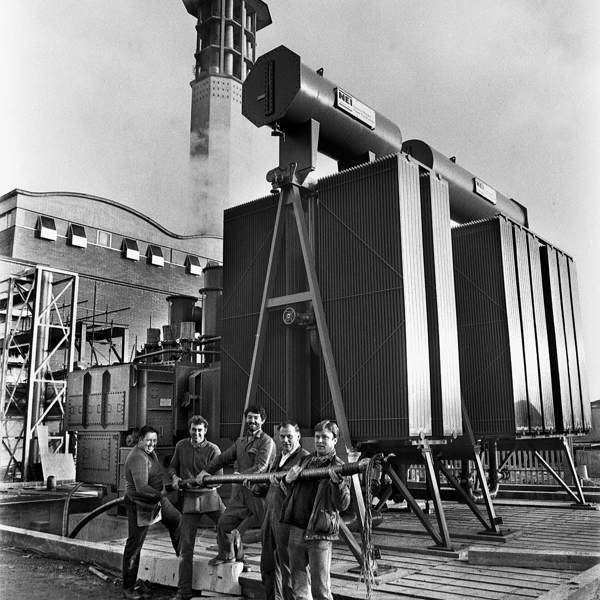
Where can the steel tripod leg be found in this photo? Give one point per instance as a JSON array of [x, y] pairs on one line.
[[413, 504], [437, 499], [573, 470], [464, 495], [495, 521]]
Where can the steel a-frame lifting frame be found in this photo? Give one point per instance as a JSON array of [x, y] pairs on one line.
[[291, 190], [41, 316]]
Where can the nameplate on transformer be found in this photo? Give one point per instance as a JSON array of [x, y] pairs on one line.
[[355, 108], [484, 190]]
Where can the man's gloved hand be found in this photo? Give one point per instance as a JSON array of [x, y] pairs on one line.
[[175, 482], [200, 477], [293, 474], [335, 478]]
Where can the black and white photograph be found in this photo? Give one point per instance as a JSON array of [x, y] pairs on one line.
[[299, 300]]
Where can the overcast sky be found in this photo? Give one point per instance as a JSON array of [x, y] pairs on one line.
[[95, 98]]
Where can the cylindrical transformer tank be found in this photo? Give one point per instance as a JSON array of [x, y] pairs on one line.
[[181, 308], [471, 198], [282, 91]]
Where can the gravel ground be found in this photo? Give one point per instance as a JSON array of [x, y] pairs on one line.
[[28, 576]]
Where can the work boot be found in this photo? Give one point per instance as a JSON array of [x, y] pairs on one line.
[[180, 596], [144, 588], [219, 559], [237, 548], [131, 594]]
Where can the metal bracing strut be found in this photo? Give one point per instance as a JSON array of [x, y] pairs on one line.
[[290, 197]]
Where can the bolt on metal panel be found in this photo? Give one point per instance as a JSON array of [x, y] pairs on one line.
[[532, 382], [371, 274], [417, 343], [441, 306], [483, 295], [556, 339], [570, 342], [541, 333], [578, 330], [515, 333]]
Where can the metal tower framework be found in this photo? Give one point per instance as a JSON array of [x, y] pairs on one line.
[[39, 344]]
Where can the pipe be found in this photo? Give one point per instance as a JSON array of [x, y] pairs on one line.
[[346, 469], [470, 198], [98, 511], [285, 94]]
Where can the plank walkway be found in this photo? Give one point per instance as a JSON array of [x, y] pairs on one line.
[[420, 572]]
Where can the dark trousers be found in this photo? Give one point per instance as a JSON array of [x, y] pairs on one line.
[[171, 519], [274, 558], [189, 526], [244, 511]]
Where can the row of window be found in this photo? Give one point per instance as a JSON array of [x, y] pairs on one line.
[[76, 236]]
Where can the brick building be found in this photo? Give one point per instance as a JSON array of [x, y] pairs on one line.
[[127, 263]]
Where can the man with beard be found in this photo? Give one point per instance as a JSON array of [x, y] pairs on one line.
[[252, 453], [191, 456], [311, 508], [274, 559], [146, 503]]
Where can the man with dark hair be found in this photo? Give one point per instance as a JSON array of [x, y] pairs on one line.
[[146, 503], [190, 458], [311, 508], [274, 559], [251, 453]]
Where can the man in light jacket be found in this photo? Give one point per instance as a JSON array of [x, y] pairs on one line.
[[252, 453], [311, 508]]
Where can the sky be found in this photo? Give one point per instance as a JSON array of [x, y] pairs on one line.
[[95, 98]]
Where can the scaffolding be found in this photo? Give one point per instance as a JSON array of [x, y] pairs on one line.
[[39, 308]]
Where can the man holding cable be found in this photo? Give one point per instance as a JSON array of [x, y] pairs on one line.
[[311, 509], [191, 457]]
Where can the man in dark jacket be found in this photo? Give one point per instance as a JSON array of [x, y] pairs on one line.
[[252, 453], [190, 458], [146, 503], [274, 559], [311, 508]]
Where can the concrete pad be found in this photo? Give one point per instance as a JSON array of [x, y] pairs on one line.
[[222, 578], [548, 559], [585, 586], [160, 567]]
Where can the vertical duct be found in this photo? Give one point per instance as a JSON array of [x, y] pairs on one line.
[[571, 401], [441, 308]]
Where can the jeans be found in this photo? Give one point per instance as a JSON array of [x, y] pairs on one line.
[[171, 519], [244, 511], [310, 563], [274, 558], [189, 525]]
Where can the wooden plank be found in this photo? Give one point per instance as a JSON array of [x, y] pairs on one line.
[[514, 572], [585, 586], [525, 556], [426, 590]]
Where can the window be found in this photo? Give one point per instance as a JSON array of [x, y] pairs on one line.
[[129, 249], [46, 228], [76, 236], [192, 265], [103, 238], [155, 256], [7, 220]]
